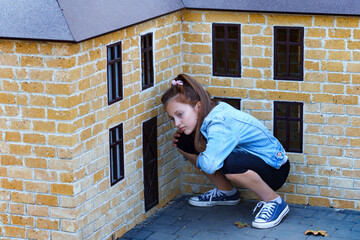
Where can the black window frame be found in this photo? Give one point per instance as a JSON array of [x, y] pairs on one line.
[[147, 61], [114, 73], [288, 43], [289, 119], [150, 167], [235, 102], [226, 41], [116, 144]]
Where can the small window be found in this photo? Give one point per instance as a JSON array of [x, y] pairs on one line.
[[288, 53], [288, 125], [151, 189], [114, 73], [226, 50], [147, 67], [116, 154], [235, 102]]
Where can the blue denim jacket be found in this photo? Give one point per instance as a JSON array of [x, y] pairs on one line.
[[228, 129]]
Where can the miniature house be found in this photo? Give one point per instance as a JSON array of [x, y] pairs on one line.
[[85, 145]]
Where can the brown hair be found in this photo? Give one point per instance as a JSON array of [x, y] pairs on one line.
[[191, 92]]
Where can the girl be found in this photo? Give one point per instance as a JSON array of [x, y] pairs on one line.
[[222, 141]]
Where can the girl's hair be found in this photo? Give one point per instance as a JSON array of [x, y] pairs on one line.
[[189, 91]]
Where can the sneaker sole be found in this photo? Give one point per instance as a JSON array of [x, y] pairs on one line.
[[213, 203], [273, 223]]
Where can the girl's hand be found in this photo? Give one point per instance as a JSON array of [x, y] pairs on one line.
[[175, 137]]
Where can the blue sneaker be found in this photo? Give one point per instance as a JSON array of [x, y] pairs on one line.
[[214, 197], [270, 214]]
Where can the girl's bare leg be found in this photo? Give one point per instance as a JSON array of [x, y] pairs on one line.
[[217, 178], [252, 181]]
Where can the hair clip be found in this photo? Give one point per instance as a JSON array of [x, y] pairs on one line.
[[177, 82]]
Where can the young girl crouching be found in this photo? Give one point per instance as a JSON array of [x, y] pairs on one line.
[[228, 144]]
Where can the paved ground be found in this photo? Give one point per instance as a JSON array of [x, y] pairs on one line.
[[181, 221]]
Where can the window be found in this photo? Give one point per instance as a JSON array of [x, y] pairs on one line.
[[288, 125], [226, 50], [288, 53], [151, 192], [116, 154], [235, 102], [114, 73], [147, 66]]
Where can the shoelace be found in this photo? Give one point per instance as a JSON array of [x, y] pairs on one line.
[[266, 211], [212, 193]]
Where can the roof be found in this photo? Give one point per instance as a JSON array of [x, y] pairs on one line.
[[78, 20]]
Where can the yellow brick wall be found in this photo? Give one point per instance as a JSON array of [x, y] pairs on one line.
[[55, 119], [327, 173]]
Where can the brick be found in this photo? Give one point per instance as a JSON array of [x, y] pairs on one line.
[[16, 232], [9, 60], [296, 199], [11, 86], [18, 149], [43, 75], [37, 187], [353, 67], [256, 18], [316, 160], [62, 114], [32, 87], [6, 73], [337, 141], [63, 189], [291, 20], [346, 99], [339, 55], [312, 65], [31, 61], [44, 151], [61, 62], [288, 86], [338, 77], [343, 204], [330, 192], [66, 49], [36, 210], [48, 200], [288, 96], [7, 98], [355, 90], [17, 208], [261, 40], [12, 184], [44, 126], [334, 44], [11, 160], [221, 17], [353, 45], [7, 46], [23, 221], [351, 194], [12, 137], [315, 33], [312, 190], [313, 43], [317, 180], [318, 201], [352, 22], [310, 87], [38, 234], [332, 66], [44, 223], [324, 21]]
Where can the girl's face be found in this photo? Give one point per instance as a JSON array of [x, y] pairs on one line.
[[184, 115]]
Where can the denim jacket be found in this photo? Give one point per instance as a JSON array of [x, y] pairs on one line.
[[228, 129]]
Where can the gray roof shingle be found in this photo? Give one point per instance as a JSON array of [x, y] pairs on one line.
[[78, 20]]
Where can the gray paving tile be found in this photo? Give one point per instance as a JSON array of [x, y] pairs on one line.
[[180, 221]]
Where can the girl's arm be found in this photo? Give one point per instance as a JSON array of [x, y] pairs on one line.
[[221, 141]]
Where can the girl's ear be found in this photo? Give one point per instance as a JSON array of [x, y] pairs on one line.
[[198, 106]]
